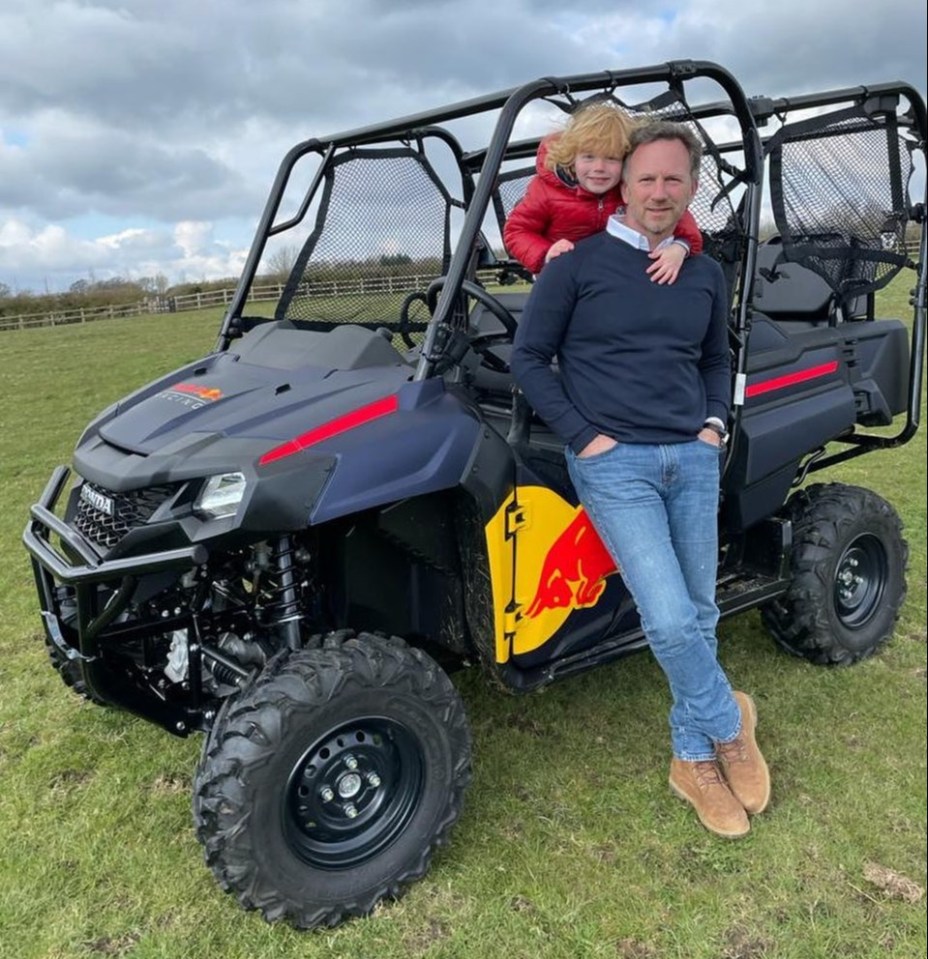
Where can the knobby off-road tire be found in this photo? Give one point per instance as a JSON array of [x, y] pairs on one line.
[[327, 785], [69, 671], [848, 566]]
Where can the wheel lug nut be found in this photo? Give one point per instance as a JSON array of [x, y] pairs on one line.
[[374, 780], [351, 762], [327, 794], [351, 810]]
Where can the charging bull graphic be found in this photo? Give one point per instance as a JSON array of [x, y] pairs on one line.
[[574, 571], [546, 561]]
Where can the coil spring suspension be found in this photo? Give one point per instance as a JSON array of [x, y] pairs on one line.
[[281, 597], [223, 673]]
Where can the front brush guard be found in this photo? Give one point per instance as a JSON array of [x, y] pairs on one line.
[[51, 567]]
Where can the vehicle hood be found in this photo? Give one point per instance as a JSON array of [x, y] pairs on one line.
[[224, 396]]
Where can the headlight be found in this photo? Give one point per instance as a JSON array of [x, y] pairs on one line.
[[221, 495]]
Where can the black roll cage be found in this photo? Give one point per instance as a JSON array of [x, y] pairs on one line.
[[480, 168], [887, 96]]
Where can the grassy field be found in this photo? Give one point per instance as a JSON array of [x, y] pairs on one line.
[[570, 845]]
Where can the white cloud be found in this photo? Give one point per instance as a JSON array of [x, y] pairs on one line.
[[58, 258], [154, 113], [191, 237]]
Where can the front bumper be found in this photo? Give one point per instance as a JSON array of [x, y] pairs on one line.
[[97, 592]]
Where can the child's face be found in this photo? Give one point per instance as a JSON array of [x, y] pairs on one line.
[[597, 173]]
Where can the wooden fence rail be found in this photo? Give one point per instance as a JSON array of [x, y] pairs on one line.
[[85, 314], [211, 298]]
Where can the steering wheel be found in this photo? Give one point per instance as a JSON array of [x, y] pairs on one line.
[[403, 328], [481, 343]]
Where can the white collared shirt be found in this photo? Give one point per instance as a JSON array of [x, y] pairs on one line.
[[617, 227]]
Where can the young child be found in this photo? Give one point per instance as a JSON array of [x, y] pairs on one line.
[[575, 191]]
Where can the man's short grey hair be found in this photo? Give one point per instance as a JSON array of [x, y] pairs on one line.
[[649, 131]]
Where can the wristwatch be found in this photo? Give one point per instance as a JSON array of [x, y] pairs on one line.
[[717, 427]]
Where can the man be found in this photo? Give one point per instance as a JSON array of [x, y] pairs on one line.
[[641, 400]]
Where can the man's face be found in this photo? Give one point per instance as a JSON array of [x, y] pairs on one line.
[[657, 187]]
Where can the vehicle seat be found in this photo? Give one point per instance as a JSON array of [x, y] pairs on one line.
[[788, 291], [792, 293], [483, 321]]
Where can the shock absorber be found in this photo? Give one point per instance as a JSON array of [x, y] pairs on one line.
[[282, 605]]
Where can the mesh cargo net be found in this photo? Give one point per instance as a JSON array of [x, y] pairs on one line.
[[381, 233], [510, 188], [839, 187]]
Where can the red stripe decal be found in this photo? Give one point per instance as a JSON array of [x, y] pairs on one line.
[[341, 424], [790, 379]]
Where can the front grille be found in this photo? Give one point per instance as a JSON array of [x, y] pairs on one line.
[[130, 510]]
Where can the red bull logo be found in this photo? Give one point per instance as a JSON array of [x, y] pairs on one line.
[[208, 393], [546, 560], [573, 574]]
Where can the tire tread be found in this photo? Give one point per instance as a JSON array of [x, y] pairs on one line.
[[249, 728], [822, 516]]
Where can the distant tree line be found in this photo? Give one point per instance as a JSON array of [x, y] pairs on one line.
[[91, 294], [118, 291]]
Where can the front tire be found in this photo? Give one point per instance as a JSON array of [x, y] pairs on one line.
[[327, 785], [68, 669], [70, 673], [848, 566]]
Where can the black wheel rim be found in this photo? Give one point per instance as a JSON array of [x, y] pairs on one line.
[[860, 579], [353, 792]]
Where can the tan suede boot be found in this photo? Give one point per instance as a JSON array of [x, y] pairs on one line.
[[741, 761], [701, 784]]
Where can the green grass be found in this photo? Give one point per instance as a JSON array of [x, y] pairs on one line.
[[570, 844]]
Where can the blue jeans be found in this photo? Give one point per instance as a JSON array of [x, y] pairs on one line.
[[656, 509]]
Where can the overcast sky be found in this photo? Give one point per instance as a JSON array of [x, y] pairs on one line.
[[140, 137]]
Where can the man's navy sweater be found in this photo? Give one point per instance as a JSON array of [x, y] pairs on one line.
[[638, 361]]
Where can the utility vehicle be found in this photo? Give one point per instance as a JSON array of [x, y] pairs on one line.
[[286, 544]]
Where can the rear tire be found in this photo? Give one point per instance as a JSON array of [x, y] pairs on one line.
[[327, 785], [848, 566]]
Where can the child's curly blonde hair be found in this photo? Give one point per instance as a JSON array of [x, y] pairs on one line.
[[600, 128]]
